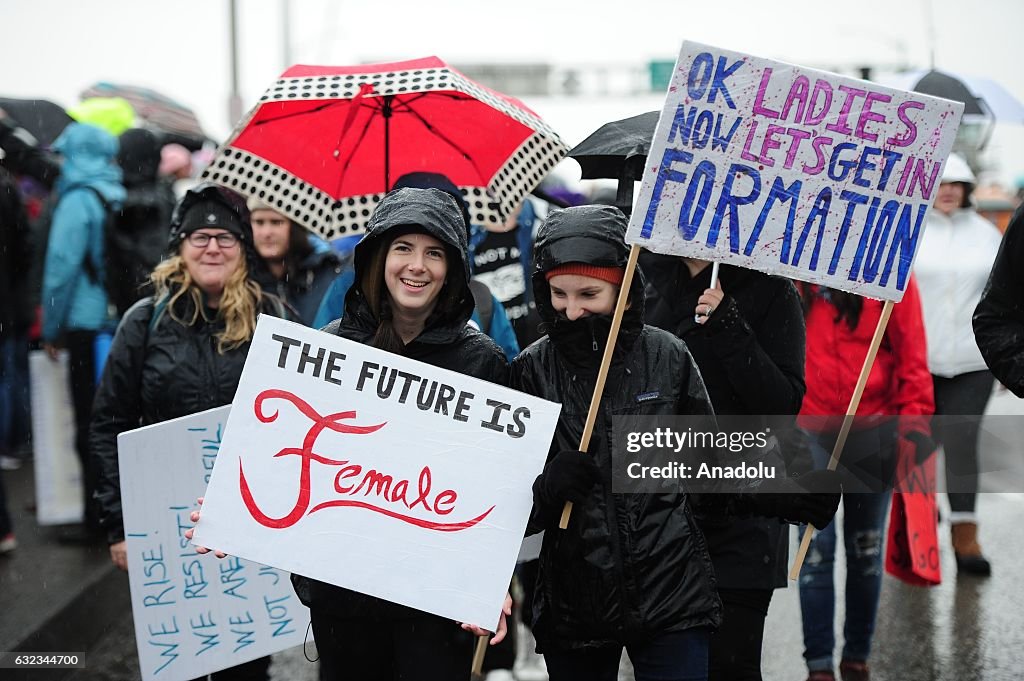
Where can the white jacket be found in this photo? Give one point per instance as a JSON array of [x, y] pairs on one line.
[[952, 267]]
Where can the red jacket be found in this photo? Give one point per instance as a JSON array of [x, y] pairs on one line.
[[899, 382]]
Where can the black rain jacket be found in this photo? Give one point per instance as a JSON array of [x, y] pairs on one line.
[[446, 343], [629, 566], [999, 316], [158, 369], [751, 356]]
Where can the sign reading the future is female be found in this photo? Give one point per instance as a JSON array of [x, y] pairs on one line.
[[792, 171], [375, 472]]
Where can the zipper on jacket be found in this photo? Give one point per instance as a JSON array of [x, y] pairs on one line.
[[629, 621]]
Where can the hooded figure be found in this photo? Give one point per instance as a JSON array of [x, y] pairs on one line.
[[357, 633], [139, 237], [74, 300], [952, 266], [630, 568]]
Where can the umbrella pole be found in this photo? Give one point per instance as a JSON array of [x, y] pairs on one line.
[[606, 360], [386, 112]]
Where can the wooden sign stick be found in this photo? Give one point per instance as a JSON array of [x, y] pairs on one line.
[[606, 360], [844, 431], [477, 672]]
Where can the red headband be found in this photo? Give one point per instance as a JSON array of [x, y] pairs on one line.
[[613, 275]]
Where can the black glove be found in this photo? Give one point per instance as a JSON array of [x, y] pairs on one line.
[[924, 446], [569, 476], [812, 498]]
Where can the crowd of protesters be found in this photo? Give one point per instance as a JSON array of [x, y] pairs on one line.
[[538, 292]]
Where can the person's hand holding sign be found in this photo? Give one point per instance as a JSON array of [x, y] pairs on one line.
[[499, 635], [708, 302], [194, 517]]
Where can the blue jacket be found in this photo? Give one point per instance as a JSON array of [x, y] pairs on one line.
[[71, 299]]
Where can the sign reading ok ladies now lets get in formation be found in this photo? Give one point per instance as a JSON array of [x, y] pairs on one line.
[[792, 171], [376, 472]]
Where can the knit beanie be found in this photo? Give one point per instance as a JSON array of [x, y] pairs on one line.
[[613, 275]]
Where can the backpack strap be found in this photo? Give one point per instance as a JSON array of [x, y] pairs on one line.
[[92, 269], [484, 303]]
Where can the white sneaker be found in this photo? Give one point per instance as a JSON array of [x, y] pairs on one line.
[[8, 543], [499, 675], [10, 463], [529, 664]]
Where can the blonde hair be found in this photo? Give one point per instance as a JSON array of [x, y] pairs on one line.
[[239, 302]]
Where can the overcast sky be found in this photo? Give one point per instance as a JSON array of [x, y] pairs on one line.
[[56, 48]]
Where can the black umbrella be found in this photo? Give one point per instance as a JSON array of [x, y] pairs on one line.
[[618, 151], [41, 117], [939, 84]]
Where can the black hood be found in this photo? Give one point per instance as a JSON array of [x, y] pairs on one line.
[[437, 214], [593, 235], [139, 157]]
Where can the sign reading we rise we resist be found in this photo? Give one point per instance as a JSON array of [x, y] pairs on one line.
[[792, 171], [376, 472]]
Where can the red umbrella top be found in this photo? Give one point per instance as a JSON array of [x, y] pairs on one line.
[[325, 143]]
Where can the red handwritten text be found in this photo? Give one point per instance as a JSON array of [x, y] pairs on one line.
[[351, 479]]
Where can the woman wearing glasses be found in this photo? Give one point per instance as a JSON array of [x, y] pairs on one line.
[[181, 351]]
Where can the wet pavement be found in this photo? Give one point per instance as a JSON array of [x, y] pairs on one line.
[[56, 597]]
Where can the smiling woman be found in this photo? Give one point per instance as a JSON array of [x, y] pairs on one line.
[[414, 272], [410, 297], [181, 351]]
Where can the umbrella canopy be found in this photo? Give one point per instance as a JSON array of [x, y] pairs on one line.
[[325, 143], [113, 114], [616, 147], [177, 122], [982, 97], [618, 151], [41, 117]]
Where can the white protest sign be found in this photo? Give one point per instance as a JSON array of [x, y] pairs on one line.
[[376, 472], [792, 171], [58, 472], [193, 614]]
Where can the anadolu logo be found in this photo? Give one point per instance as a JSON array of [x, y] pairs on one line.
[[355, 485]]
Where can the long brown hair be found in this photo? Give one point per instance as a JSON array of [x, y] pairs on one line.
[[239, 302], [848, 305]]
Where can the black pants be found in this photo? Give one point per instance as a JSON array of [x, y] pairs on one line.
[[82, 369], [964, 396], [736, 645], [424, 648]]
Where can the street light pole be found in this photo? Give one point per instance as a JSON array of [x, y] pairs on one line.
[[286, 32], [235, 98]]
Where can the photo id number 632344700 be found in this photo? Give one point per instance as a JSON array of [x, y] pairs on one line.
[[61, 660]]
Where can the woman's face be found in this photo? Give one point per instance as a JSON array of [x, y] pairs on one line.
[[414, 272], [271, 232], [212, 264], [950, 197], [577, 296]]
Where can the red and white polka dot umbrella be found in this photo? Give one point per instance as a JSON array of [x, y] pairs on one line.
[[325, 143]]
